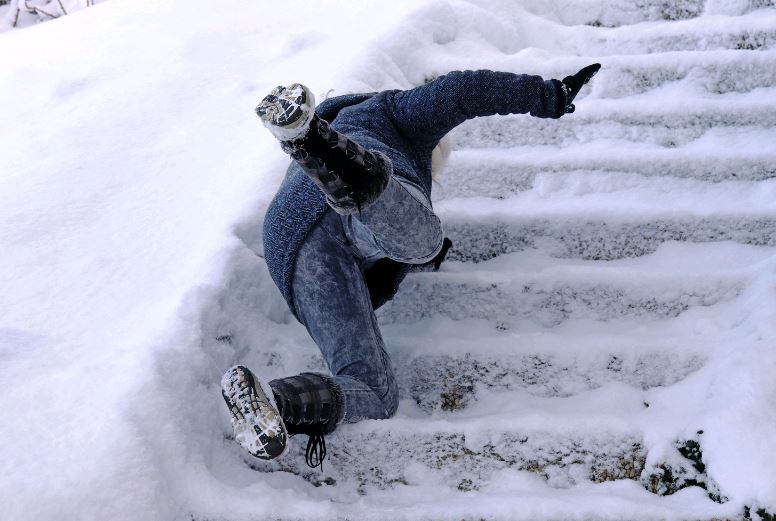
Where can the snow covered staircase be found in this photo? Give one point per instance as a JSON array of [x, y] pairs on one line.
[[602, 267], [544, 372]]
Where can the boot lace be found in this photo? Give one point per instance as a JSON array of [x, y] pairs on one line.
[[315, 452]]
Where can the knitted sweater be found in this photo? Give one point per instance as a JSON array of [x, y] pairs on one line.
[[406, 126]]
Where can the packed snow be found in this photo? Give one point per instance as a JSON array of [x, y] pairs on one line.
[[622, 298]]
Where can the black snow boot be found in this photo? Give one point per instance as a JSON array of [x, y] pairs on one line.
[[311, 404], [350, 176]]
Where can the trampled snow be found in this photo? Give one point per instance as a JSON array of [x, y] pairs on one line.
[[133, 180]]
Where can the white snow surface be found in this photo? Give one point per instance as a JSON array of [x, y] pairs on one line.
[[134, 176]]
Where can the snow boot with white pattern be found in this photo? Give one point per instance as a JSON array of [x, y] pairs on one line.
[[350, 176]]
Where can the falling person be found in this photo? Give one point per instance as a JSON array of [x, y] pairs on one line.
[[350, 219]]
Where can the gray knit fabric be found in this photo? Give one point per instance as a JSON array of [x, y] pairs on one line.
[[406, 126]]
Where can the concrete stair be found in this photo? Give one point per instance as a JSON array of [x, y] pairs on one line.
[[596, 261]]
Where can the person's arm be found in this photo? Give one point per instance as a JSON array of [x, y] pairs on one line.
[[430, 111]]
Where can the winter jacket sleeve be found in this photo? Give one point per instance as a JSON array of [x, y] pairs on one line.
[[428, 112]]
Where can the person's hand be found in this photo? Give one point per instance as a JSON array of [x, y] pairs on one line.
[[571, 85]]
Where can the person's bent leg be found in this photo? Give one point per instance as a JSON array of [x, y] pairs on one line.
[[396, 216], [332, 301]]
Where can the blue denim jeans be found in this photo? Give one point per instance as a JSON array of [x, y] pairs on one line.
[[332, 299]]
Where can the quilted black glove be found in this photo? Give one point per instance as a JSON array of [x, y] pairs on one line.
[[571, 85]]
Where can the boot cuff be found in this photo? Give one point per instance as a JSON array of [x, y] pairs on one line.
[[337, 399], [309, 400]]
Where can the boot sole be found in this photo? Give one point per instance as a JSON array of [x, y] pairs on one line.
[[256, 423], [287, 111]]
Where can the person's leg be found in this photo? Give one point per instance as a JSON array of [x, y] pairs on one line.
[[332, 301], [399, 225], [379, 208]]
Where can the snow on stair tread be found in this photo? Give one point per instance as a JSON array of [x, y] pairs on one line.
[[574, 356], [385, 458], [520, 496], [611, 142], [624, 12], [557, 361], [699, 330], [456, 382], [616, 134], [674, 259], [619, 406], [466, 178], [556, 292], [604, 216], [596, 433], [472, 173], [713, 72], [545, 363], [730, 109], [668, 130], [617, 199], [754, 30]]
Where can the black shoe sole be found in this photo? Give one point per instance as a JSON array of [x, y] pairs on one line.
[[257, 424]]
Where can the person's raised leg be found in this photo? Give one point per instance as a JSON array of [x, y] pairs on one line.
[[378, 206], [350, 176]]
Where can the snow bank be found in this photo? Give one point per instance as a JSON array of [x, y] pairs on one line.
[[129, 153]]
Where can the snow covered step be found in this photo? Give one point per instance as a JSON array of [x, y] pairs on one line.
[[752, 31], [452, 383], [668, 130], [446, 364], [599, 239], [712, 71], [546, 290], [499, 173], [660, 76], [624, 12], [607, 217], [591, 436], [730, 109]]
